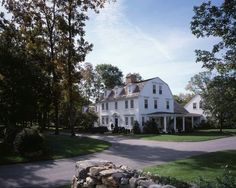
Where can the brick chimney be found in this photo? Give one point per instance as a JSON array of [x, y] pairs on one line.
[[130, 78]]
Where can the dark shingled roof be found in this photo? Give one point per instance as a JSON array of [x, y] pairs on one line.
[[179, 109]]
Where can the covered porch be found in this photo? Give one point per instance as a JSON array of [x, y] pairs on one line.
[[174, 122]]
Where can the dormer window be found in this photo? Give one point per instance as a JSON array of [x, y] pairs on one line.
[[130, 89]]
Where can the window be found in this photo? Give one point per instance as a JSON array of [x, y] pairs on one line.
[[200, 104], [154, 90], [107, 120], [116, 105], [131, 103], [102, 106], [107, 106], [103, 120], [146, 103], [126, 121], [160, 90], [194, 105], [130, 89], [155, 104], [126, 105], [143, 121], [132, 120], [167, 105]]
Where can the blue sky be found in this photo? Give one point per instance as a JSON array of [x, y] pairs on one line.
[[151, 37]]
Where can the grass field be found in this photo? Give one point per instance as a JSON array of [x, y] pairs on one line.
[[209, 166], [196, 136], [58, 147]]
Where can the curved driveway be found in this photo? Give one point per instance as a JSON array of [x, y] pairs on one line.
[[134, 153]]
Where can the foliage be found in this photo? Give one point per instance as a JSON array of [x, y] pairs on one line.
[[10, 133], [120, 130], [226, 180], [42, 45], [183, 98], [219, 100], [86, 120], [136, 128], [137, 75], [219, 22], [108, 76], [198, 83], [150, 127], [29, 143], [100, 129]]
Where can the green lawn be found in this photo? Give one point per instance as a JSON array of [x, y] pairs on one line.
[[208, 166], [58, 147], [197, 135]]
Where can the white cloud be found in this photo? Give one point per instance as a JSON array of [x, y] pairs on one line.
[[121, 43]]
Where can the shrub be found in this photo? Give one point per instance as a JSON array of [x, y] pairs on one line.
[[29, 143], [136, 128], [10, 133], [150, 127], [120, 130], [101, 129]]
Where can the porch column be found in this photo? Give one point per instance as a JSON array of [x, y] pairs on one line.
[[183, 123], [175, 123], [192, 122], [165, 124]]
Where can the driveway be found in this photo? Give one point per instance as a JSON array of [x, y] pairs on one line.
[[134, 153]]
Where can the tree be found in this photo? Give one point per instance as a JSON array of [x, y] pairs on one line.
[[219, 22], [183, 98], [109, 75], [198, 83], [219, 100], [138, 76]]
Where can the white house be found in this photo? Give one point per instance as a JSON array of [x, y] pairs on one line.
[[141, 101], [194, 106]]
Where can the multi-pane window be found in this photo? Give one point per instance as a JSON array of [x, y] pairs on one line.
[[103, 120], [126, 120], [132, 120], [154, 89], [146, 103], [131, 103], [107, 120], [194, 105], [167, 105], [155, 104], [116, 105], [102, 106], [126, 104], [160, 89], [107, 106]]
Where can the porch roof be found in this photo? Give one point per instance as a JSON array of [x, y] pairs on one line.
[[174, 114]]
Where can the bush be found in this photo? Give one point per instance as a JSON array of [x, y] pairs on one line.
[[227, 180], [120, 130], [101, 129], [9, 134], [29, 143], [150, 127], [136, 128]]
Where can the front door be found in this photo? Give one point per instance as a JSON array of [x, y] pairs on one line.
[[116, 122]]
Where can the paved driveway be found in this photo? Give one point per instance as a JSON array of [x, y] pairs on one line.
[[135, 153]]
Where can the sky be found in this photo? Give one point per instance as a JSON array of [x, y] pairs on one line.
[[149, 37]]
